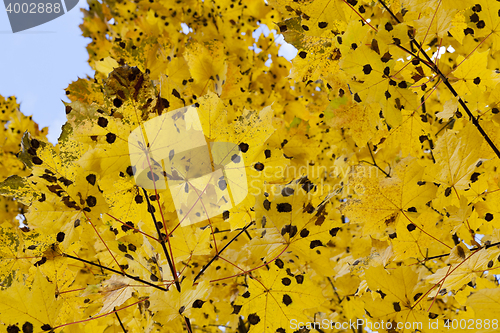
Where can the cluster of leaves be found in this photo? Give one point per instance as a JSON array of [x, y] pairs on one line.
[[371, 164]]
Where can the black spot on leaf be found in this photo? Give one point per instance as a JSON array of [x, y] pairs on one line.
[[117, 102], [46, 327], [304, 233], [474, 176], [287, 300], [13, 329], [303, 54], [198, 304], [130, 170], [139, 199], [411, 227], [225, 215], [103, 122], [236, 309], [396, 306], [382, 294], [287, 191], [286, 281], [243, 147], [279, 263], [315, 243], [284, 207], [60, 237], [488, 217], [91, 179], [259, 166], [253, 319], [267, 204], [468, 31], [35, 143], [40, 262], [333, 231], [246, 294], [322, 25], [367, 69], [110, 137], [91, 201], [27, 327], [36, 160]]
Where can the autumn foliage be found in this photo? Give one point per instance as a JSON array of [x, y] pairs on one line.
[[370, 162]]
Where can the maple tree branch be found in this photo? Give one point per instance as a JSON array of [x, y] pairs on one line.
[[219, 253], [162, 242], [375, 163], [114, 271], [119, 320], [474, 120], [334, 289]]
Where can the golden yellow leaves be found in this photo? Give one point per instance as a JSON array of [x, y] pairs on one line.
[[276, 298], [37, 309], [176, 305], [384, 201], [457, 155], [485, 303]]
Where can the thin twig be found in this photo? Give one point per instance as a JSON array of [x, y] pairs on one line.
[[120, 321], [219, 253], [162, 242], [375, 163], [136, 278]]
